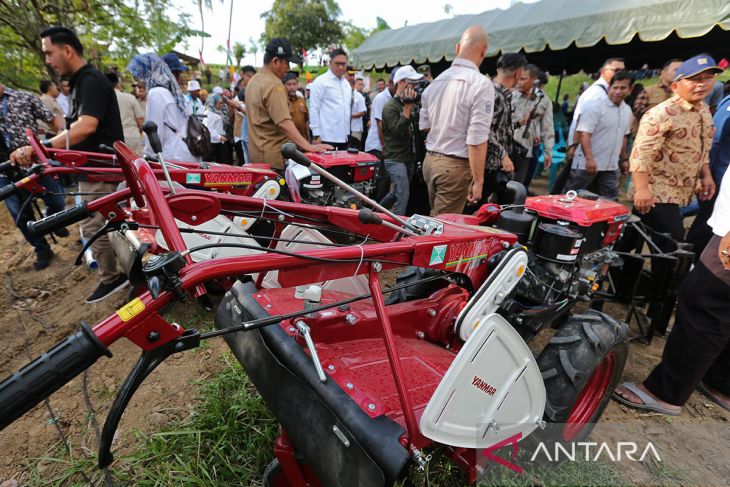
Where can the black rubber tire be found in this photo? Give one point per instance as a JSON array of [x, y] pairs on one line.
[[274, 475], [570, 358]]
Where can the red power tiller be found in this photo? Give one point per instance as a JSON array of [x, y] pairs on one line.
[[376, 385]]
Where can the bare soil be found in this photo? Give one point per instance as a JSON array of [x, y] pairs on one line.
[[37, 309]]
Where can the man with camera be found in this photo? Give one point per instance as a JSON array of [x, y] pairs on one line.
[[398, 123]]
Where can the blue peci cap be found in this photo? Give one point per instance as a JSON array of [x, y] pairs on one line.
[[173, 62], [696, 65]]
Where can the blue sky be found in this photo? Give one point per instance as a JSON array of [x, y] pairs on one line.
[[247, 21]]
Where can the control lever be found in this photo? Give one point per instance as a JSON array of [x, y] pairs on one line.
[[290, 151], [372, 218], [150, 128], [304, 331]]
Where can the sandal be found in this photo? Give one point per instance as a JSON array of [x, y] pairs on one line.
[[712, 396], [648, 403]]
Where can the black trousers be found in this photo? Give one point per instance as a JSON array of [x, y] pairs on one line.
[[663, 218], [698, 348], [700, 232], [222, 153]]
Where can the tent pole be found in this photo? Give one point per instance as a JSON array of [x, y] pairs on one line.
[[560, 84]]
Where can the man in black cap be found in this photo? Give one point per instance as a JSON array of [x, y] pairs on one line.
[[269, 120], [94, 120]]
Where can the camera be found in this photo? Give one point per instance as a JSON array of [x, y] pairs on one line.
[[418, 87]]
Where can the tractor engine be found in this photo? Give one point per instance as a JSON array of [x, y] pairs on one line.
[[569, 241], [358, 169]]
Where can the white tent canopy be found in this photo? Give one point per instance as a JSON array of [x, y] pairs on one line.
[[553, 24]]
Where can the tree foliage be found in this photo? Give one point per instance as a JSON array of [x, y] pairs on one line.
[[239, 50], [112, 32], [308, 24]]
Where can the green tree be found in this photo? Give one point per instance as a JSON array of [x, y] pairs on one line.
[[239, 50], [308, 24], [253, 48], [112, 31], [354, 35]]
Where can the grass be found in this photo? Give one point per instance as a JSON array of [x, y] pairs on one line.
[[228, 441]]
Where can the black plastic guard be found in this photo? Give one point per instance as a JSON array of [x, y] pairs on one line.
[[308, 409]]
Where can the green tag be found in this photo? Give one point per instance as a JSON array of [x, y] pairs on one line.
[[192, 178], [438, 254]]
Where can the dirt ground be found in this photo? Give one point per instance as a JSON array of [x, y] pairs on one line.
[[37, 309]]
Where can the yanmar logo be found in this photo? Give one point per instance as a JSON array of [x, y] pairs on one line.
[[227, 179], [483, 385]]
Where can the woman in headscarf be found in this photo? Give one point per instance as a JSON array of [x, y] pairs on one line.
[[165, 105], [214, 122]]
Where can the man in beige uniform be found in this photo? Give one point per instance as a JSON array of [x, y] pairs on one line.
[[456, 111], [267, 104]]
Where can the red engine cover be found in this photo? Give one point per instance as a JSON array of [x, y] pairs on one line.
[[580, 211], [342, 158]]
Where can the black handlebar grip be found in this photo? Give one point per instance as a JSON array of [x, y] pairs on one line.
[[20, 392], [5, 166], [64, 218], [150, 128], [7, 191], [369, 216], [290, 151]]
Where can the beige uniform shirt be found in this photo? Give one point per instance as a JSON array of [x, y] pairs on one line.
[[457, 107], [129, 111], [267, 105], [50, 103]]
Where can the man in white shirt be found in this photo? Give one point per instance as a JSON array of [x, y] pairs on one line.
[[599, 89], [358, 110], [375, 139], [195, 104], [329, 104], [62, 98], [603, 129]]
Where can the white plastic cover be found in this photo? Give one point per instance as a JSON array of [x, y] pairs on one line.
[[496, 287], [492, 391], [309, 239], [219, 224]]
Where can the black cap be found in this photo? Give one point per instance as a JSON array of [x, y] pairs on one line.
[[289, 76], [248, 69], [280, 47]]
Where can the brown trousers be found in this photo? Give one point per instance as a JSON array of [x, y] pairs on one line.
[[448, 180], [102, 248]]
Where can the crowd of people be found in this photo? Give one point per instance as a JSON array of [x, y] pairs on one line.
[[475, 134]]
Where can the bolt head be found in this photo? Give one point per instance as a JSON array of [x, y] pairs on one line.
[[371, 407], [179, 346], [431, 312], [331, 367], [349, 385], [194, 218], [153, 336], [377, 267]]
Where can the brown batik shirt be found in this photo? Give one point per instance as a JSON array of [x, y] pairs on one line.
[[672, 144]]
